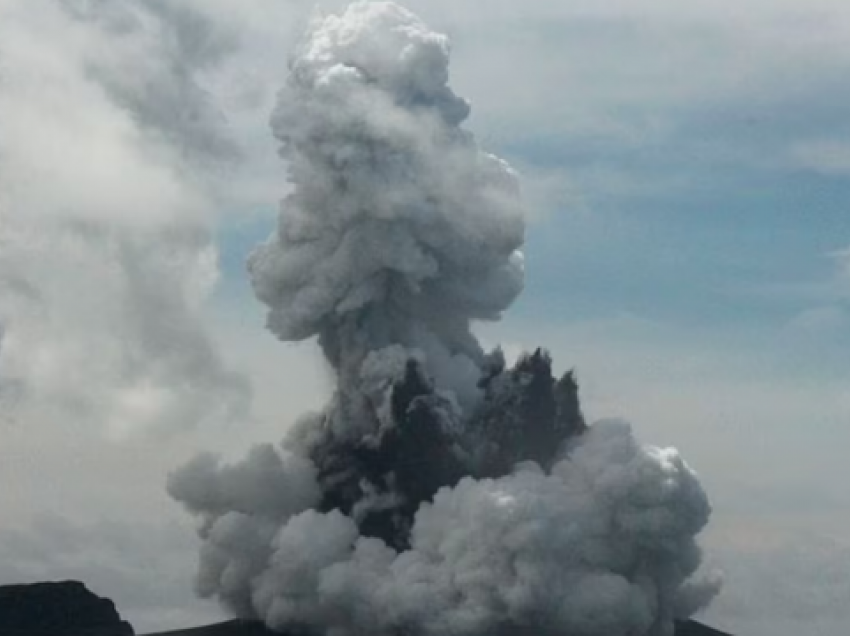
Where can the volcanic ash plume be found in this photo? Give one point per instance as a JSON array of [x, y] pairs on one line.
[[441, 491]]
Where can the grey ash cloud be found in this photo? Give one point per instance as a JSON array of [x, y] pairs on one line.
[[108, 141], [441, 490]]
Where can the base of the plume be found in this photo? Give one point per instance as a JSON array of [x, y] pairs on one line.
[[228, 628], [250, 628], [693, 628]]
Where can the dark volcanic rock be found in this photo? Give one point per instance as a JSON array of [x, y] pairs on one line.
[[526, 415], [692, 628], [58, 609], [229, 628]]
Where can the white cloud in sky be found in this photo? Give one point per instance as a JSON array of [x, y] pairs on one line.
[[109, 146], [830, 157], [827, 301]]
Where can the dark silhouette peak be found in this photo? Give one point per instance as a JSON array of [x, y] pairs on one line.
[[65, 608]]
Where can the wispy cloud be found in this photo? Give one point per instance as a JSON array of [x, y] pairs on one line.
[[110, 143]]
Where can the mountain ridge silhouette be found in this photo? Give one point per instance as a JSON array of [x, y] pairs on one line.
[[239, 627]]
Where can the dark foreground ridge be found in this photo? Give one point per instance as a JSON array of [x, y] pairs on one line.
[[251, 628], [228, 628], [64, 608], [68, 608], [693, 628]]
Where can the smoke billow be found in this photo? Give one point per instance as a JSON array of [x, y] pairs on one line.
[[441, 491], [107, 139]]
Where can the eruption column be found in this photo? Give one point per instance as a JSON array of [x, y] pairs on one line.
[[439, 492]]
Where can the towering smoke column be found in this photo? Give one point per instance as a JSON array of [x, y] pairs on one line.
[[439, 492]]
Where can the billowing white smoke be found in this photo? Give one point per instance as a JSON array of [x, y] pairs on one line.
[[439, 493], [106, 250], [400, 230], [600, 545]]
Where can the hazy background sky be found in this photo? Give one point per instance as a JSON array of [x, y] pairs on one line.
[[687, 168]]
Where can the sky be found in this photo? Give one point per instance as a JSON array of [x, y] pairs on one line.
[[686, 168]]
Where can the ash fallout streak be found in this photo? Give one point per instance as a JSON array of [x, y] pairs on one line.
[[440, 491]]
